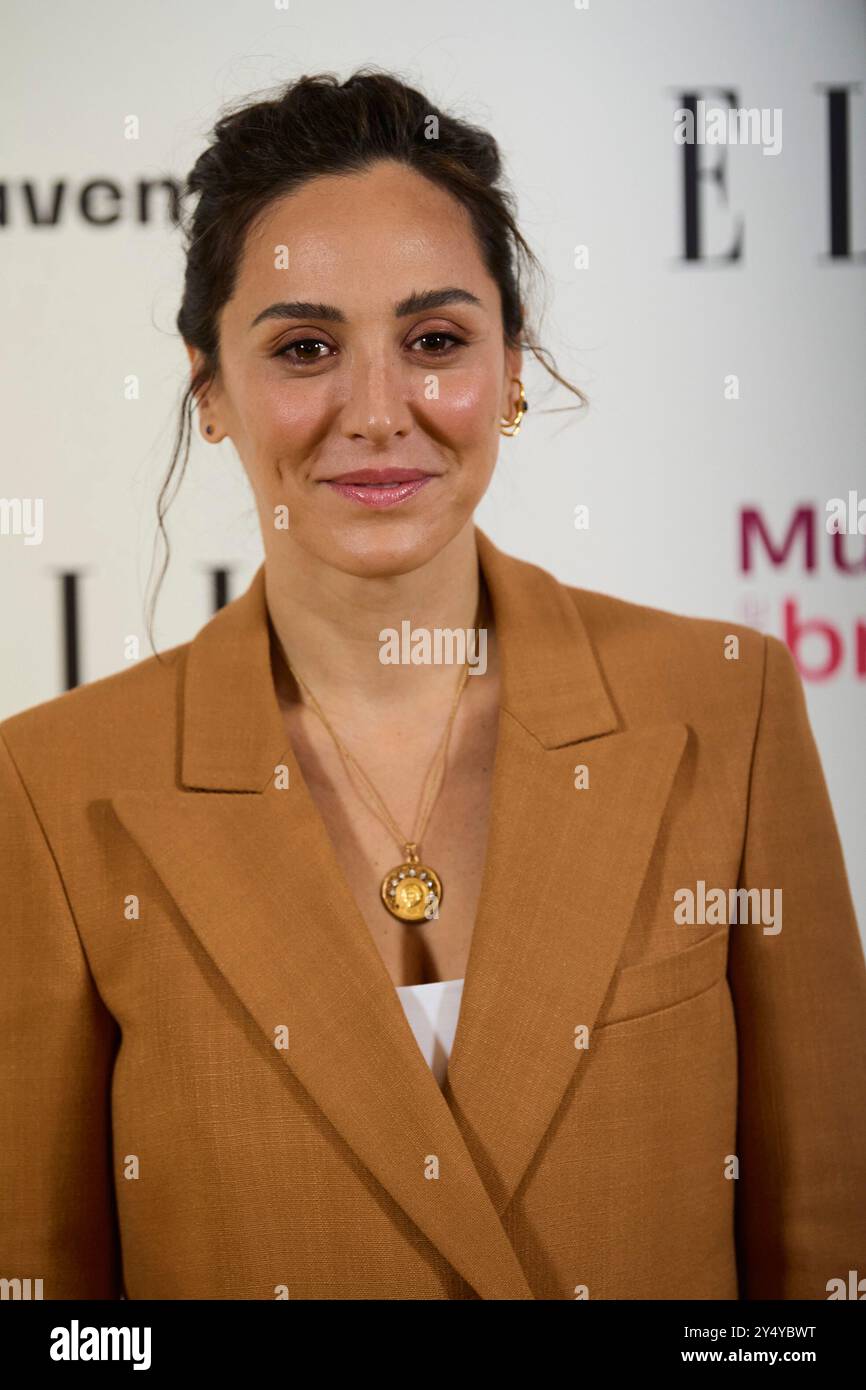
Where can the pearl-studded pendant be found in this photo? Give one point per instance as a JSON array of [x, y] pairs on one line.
[[412, 891]]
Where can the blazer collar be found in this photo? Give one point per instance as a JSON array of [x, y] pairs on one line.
[[550, 680], [264, 893]]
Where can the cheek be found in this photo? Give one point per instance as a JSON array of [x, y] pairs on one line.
[[290, 414], [282, 426], [467, 409]]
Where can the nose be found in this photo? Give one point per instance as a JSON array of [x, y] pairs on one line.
[[377, 408]]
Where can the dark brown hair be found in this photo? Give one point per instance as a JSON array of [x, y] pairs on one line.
[[318, 125]]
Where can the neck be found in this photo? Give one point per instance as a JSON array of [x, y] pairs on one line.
[[327, 624]]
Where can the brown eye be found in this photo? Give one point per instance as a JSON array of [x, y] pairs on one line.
[[301, 345], [450, 339]]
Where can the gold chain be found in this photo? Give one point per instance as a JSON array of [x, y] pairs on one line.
[[428, 797]]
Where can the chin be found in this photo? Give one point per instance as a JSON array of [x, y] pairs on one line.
[[379, 546]]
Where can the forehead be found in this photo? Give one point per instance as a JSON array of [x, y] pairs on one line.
[[387, 230]]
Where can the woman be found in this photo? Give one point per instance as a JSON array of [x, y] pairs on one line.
[[231, 872]]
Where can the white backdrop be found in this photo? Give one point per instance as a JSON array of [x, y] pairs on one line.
[[582, 100]]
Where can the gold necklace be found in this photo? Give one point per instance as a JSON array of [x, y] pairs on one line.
[[411, 890]]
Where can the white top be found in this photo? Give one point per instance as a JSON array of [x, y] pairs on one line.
[[432, 1011]]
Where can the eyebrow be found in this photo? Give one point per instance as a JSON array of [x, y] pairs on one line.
[[417, 302]]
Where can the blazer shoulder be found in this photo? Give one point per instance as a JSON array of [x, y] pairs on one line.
[[618, 619], [95, 724], [691, 664]]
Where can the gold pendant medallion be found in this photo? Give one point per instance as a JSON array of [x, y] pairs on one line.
[[412, 891]]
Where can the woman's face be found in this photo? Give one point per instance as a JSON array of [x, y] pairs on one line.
[[364, 332]]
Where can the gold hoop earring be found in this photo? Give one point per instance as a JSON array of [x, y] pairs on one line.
[[511, 427]]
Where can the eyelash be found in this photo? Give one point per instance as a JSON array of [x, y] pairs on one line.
[[431, 333]]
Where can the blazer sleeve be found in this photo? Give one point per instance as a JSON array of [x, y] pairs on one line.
[[57, 1211], [800, 1004]]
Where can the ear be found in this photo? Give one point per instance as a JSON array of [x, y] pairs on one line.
[[515, 362], [513, 371], [195, 358], [206, 401]]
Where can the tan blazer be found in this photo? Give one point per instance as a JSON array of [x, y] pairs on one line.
[[635, 1107]]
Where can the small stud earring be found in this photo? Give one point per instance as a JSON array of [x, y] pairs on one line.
[[209, 429]]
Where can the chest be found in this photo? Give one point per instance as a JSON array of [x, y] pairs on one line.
[[454, 843]]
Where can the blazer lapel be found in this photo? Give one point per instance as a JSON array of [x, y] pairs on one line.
[[252, 869], [265, 895], [563, 872]]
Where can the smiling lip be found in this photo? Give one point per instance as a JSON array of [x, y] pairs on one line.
[[379, 487]]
